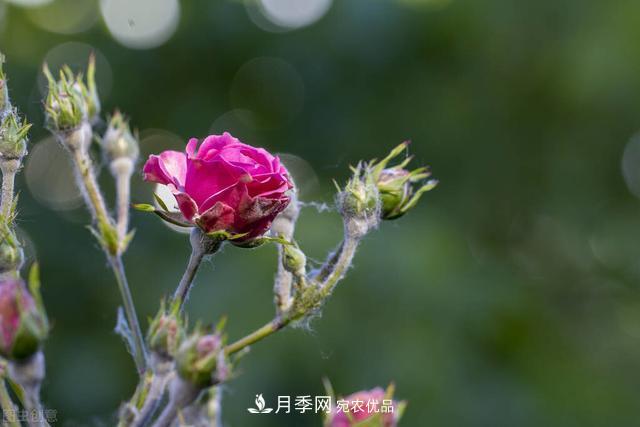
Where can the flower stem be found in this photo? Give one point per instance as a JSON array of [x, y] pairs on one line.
[[9, 413], [338, 264], [270, 328], [182, 291], [122, 170], [182, 393], [139, 350], [29, 374], [201, 246], [152, 401], [9, 168], [77, 143]]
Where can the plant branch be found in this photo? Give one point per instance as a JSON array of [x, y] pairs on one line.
[[9, 168], [122, 169], [269, 329], [9, 415], [139, 349]]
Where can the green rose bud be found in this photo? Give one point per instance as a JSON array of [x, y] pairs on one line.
[[400, 189], [200, 360], [118, 141], [71, 100], [13, 136], [166, 332]]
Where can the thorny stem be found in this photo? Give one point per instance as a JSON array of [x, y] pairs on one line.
[[8, 407], [9, 168], [122, 170], [139, 350], [340, 264]]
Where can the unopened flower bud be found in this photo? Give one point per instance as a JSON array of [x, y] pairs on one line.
[[294, 260], [166, 332], [23, 323], [360, 196], [13, 136], [400, 189], [11, 256], [118, 141], [71, 100], [200, 360]]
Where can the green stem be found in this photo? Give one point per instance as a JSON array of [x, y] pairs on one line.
[[182, 291], [270, 328], [139, 350], [339, 264], [88, 183], [9, 414], [9, 169]]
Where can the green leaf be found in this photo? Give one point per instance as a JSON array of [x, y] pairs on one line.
[[160, 202], [143, 207]]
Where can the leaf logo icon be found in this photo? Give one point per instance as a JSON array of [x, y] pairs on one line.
[[261, 405]]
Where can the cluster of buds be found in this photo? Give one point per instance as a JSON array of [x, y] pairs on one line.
[[118, 141], [371, 408], [201, 360], [400, 189], [23, 321], [71, 100], [379, 191]]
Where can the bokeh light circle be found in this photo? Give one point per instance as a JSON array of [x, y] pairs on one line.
[[29, 3], [239, 123], [270, 88], [49, 176], [65, 16], [305, 178], [631, 165], [293, 14], [141, 24]]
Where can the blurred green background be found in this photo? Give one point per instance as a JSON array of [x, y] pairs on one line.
[[509, 297]]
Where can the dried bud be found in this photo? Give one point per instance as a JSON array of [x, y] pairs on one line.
[[5, 104], [200, 360], [166, 332], [400, 189], [118, 141], [71, 101], [23, 323], [371, 408], [13, 136]]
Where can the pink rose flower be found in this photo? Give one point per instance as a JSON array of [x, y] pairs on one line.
[[364, 405], [223, 184]]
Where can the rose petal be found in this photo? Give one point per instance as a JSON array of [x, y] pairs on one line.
[[186, 204], [169, 167], [219, 217]]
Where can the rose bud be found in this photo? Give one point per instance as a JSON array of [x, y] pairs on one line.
[[374, 408], [118, 141], [224, 185], [200, 360], [13, 136], [23, 323], [71, 99], [398, 187], [166, 332]]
